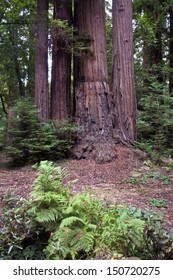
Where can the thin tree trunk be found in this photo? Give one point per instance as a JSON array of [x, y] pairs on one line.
[[92, 94], [145, 56], [123, 71], [41, 61], [61, 65], [13, 38], [152, 53], [31, 61]]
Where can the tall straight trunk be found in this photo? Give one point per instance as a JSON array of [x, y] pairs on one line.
[[156, 52], [152, 53], [31, 61], [145, 57], [171, 52], [14, 41], [123, 71], [92, 94], [61, 65], [41, 60]]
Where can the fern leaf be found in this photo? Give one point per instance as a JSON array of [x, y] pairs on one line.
[[69, 221], [48, 215]]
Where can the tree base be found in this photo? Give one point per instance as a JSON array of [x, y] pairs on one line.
[[101, 151]]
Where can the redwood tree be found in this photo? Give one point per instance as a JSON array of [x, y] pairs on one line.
[[123, 85], [41, 60], [92, 94], [153, 49], [61, 63]]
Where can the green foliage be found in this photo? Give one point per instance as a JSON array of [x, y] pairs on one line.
[[18, 240], [132, 180], [158, 176], [155, 121], [153, 77], [108, 8], [14, 225], [28, 139], [62, 225], [121, 231], [77, 232], [170, 164], [72, 41], [49, 197], [16, 48], [159, 203], [147, 176], [158, 241]]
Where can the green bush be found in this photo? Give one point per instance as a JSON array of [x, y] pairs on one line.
[[158, 241], [30, 140], [18, 238], [155, 121]]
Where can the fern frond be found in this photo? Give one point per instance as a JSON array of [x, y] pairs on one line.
[[47, 215], [85, 242], [70, 220]]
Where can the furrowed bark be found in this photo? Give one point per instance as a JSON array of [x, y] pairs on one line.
[[92, 94], [61, 65], [41, 61], [123, 72]]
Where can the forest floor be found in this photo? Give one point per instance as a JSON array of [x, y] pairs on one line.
[[128, 180]]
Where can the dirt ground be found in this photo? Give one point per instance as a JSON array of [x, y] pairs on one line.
[[128, 180]]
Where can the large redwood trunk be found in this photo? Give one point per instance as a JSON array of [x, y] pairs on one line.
[[92, 94], [41, 60], [123, 71], [61, 65]]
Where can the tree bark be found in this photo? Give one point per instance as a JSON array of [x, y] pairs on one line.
[[92, 93], [152, 53], [61, 65], [123, 71], [31, 62], [18, 71], [41, 61]]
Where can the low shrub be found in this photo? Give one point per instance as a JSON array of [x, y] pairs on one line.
[[155, 121], [18, 238], [30, 140]]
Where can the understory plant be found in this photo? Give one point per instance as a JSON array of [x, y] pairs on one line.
[[18, 238], [28, 139], [64, 225], [49, 197], [155, 121]]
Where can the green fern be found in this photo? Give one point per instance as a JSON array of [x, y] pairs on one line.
[[49, 197], [47, 215], [79, 225], [77, 232], [70, 220], [72, 242]]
